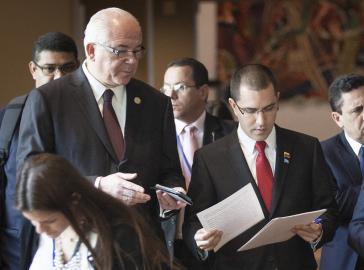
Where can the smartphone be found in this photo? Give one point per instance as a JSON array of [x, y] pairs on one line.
[[179, 196]]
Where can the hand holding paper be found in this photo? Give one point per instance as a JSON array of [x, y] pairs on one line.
[[308, 232], [280, 229], [232, 216], [207, 239]]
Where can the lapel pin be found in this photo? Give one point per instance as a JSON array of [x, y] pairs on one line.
[[286, 157], [137, 100]]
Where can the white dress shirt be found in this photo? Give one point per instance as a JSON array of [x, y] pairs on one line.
[[247, 144], [354, 144], [118, 100]]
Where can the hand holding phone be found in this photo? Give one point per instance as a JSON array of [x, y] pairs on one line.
[[177, 195]]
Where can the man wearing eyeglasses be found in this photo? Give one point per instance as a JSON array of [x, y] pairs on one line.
[[49, 64], [186, 83], [54, 54], [115, 129], [286, 169]]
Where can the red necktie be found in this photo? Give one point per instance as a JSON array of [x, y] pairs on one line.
[[264, 174], [112, 125]]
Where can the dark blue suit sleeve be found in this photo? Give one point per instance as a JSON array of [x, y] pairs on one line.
[[356, 226]]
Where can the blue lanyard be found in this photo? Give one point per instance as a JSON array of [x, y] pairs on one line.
[[54, 252], [185, 160]]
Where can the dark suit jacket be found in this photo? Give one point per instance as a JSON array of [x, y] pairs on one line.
[[345, 168], [301, 183], [214, 129], [63, 117], [356, 226]]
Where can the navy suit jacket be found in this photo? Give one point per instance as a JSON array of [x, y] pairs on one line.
[[356, 226], [13, 220], [345, 168], [63, 117], [301, 183]]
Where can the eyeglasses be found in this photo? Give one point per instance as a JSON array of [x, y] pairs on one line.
[[137, 53], [250, 112], [50, 69], [178, 87]]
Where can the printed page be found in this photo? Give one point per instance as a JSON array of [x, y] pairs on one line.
[[233, 215], [279, 229]]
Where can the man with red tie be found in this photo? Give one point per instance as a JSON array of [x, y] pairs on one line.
[[287, 171], [186, 83]]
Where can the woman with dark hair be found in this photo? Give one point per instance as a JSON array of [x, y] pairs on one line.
[[85, 228]]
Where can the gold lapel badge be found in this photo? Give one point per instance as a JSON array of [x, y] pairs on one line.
[[286, 157], [137, 100]]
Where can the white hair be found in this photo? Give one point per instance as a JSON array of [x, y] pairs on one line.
[[100, 22]]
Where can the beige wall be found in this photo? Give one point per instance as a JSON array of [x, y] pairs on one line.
[[21, 22]]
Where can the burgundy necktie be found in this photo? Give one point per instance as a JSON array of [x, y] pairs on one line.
[[264, 174], [112, 125]]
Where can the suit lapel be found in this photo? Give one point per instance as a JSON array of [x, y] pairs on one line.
[[83, 94], [283, 155], [211, 126], [134, 109], [237, 161]]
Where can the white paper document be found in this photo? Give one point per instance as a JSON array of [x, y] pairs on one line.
[[233, 215], [279, 229]]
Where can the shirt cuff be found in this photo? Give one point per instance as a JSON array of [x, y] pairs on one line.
[[202, 254], [166, 214], [97, 182], [315, 243]]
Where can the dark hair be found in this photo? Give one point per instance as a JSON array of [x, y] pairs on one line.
[[200, 74], [255, 76], [55, 42], [340, 85], [50, 183]]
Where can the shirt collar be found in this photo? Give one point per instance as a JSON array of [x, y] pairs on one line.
[[353, 143], [249, 144], [199, 124], [98, 88]]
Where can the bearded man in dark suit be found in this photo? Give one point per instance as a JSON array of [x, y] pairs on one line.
[[286, 169]]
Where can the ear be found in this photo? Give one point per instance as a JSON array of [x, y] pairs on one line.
[[204, 92], [232, 103], [32, 69], [337, 119], [90, 51], [278, 95]]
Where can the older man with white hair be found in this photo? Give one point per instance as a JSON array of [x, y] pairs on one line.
[[118, 131]]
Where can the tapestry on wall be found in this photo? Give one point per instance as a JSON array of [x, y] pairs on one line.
[[306, 43]]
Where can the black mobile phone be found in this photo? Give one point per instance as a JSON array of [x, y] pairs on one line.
[[174, 193]]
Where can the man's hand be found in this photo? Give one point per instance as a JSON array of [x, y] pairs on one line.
[[207, 239], [119, 186], [167, 202], [309, 232]]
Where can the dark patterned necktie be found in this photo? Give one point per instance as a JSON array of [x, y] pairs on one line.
[[264, 174], [361, 161], [112, 125]]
